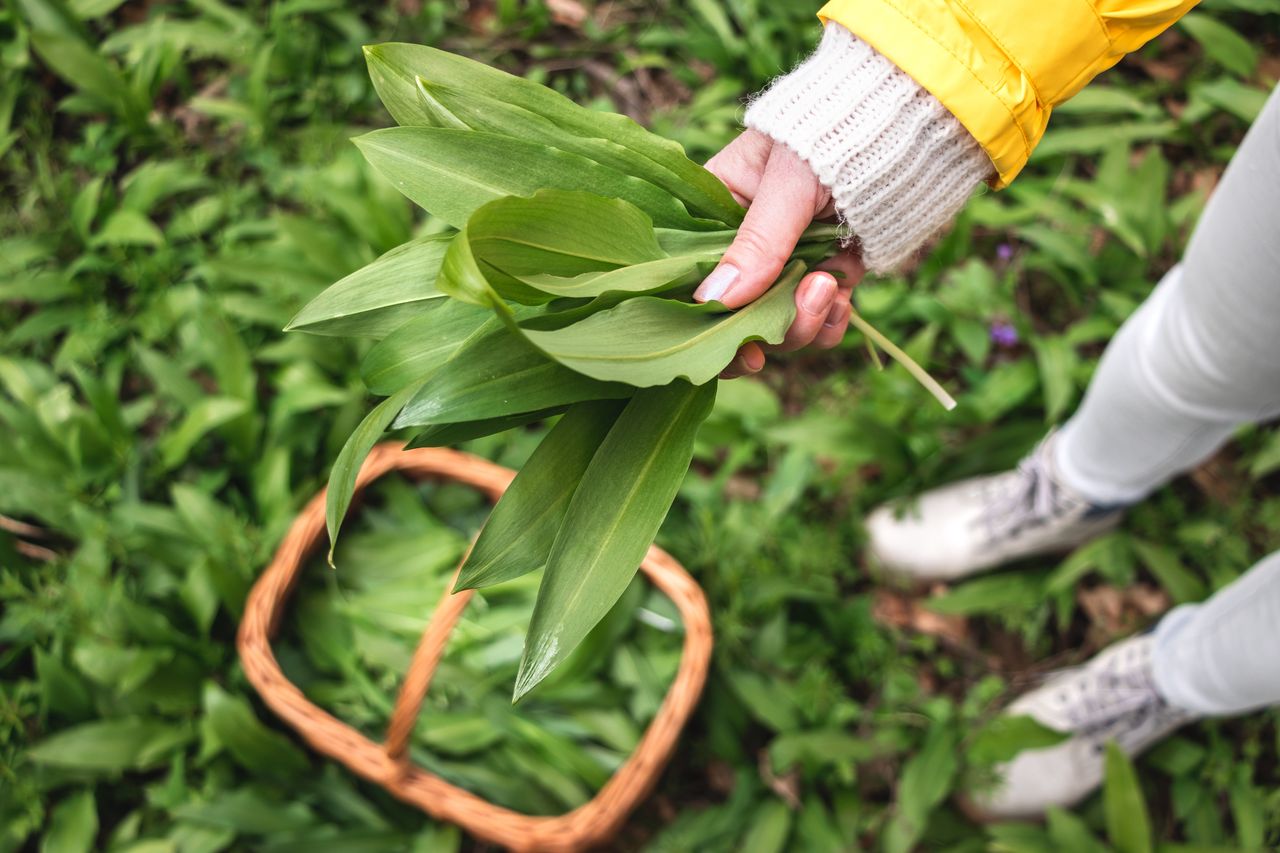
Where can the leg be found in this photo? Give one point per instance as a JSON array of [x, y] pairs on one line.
[[1202, 355], [1199, 358], [1213, 659], [1223, 656]]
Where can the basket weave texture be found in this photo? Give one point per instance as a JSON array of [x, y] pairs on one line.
[[387, 764]]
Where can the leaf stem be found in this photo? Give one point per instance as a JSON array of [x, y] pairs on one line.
[[920, 374]]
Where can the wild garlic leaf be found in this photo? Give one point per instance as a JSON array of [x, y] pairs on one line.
[[444, 435], [641, 278], [651, 341], [611, 521], [523, 525], [342, 478], [380, 296], [454, 107], [562, 234], [497, 374], [451, 172], [396, 67], [420, 347]]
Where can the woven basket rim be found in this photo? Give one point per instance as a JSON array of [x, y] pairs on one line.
[[386, 764]]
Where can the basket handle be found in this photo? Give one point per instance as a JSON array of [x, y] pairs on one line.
[[426, 657]]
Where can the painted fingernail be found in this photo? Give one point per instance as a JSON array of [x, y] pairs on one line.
[[818, 298], [714, 286]]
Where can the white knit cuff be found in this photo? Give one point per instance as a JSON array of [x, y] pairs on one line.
[[898, 164]]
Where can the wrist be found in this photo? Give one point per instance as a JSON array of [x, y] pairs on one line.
[[898, 164]]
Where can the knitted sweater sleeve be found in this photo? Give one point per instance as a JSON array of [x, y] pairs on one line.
[[898, 164]]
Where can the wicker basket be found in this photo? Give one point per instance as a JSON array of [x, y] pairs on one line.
[[387, 764]]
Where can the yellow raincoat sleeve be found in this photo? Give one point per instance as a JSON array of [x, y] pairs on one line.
[[1001, 66]]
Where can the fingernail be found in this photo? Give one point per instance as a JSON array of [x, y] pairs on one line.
[[714, 286], [818, 298], [836, 314], [754, 360]]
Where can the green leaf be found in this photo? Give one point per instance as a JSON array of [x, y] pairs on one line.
[[561, 233], [379, 297], [396, 69], [1006, 736], [926, 780], [650, 341], [702, 193], [1094, 138], [73, 826], [204, 417], [342, 479], [413, 352], [110, 746], [128, 228], [1183, 586], [1268, 458], [553, 233], [1068, 832], [769, 829], [1244, 102], [246, 811], [75, 61], [1011, 591], [612, 519], [450, 173], [498, 374], [522, 527], [1249, 810], [1223, 44], [1057, 362], [443, 435], [640, 278], [254, 746], [1128, 825]]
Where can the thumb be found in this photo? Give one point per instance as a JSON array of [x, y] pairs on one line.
[[785, 203]]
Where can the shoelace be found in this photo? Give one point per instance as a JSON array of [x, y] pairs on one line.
[[1031, 498], [1119, 702], [1099, 697]]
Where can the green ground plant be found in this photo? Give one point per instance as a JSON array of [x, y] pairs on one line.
[[178, 184]]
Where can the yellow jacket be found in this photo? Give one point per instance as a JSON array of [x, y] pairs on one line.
[[1001, 66]]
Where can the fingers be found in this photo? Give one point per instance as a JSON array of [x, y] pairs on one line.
[[784, 204], [740, 165], [750, 359], [849, 266], [836, 324], [815, 297]]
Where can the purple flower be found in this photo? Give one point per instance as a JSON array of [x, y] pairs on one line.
[[1004, 251], [1004, 335]]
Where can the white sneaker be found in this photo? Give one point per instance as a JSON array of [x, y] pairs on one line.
[[984, 522], [1111, 698]]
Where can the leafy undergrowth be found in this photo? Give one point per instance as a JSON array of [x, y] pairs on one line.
[[177, 184]]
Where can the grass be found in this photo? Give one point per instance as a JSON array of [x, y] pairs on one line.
[[177, 182]]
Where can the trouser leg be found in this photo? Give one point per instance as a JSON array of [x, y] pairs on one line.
[[1222, 657], [1202, 354]]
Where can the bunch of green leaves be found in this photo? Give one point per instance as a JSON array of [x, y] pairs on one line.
[[161, 433], [564, 288]]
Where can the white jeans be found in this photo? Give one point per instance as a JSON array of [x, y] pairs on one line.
[[1198, 359]]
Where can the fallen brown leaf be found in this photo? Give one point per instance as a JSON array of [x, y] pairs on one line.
[[786, 786], [567, 13], [898, 610], [1114, 611]]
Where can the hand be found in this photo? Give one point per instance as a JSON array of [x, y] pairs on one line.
[[782, 196]]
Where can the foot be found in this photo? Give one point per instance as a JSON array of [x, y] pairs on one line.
[[984, 522], [1111, 698]]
